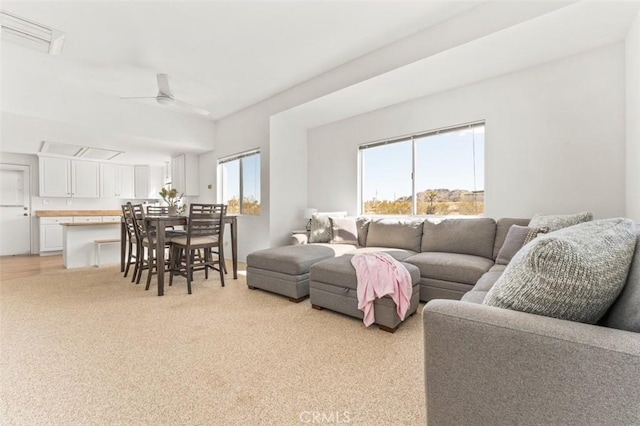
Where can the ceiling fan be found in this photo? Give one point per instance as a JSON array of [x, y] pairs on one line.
[[165, 97]]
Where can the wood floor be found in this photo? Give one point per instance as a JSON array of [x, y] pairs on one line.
[[24, 266]]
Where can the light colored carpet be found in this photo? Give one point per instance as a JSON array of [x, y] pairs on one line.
[[89, 347]]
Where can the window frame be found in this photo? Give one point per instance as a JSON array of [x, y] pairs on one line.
[[413, 138], [239, 156]]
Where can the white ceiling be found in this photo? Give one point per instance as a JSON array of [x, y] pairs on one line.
[[227, 55], [220, 55]]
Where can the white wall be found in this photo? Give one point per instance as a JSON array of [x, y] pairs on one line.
[[555, 138], [633, 121], [249, 128], [55, 203]]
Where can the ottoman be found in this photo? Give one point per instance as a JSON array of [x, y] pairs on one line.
[[333, 285], [285, 270]]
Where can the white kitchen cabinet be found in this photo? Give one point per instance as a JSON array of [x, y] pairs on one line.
[[127, 182], [142, 178], [85, 179], [61, 177], [55, 177], [51, 233], [110, 219], [116, 180], [87, 219], [184, 174]]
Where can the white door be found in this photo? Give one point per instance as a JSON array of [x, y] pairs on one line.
[[15, 222]]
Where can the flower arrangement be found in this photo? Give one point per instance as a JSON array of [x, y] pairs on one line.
[[171, 196]]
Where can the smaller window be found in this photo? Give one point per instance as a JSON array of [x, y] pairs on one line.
[[239, 182]]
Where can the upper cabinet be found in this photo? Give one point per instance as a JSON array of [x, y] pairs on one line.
[[61, 177], [65, 177], [116, 181], [55, 177], [142, 181], [184, 174]]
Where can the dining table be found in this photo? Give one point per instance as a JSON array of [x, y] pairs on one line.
[[162, 222]]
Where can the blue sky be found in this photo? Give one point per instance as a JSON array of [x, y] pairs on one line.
[[442, 161]]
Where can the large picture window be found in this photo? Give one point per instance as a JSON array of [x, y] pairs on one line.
[[239, 183], [438, 172]]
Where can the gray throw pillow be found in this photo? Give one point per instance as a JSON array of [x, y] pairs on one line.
[[573, 274], [321, 226], [517, 237], [559, 221], [344, 230]]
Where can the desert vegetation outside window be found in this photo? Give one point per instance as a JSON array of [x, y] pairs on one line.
[[239, 183], [436, 172]]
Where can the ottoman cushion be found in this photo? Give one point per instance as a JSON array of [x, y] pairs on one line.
[[333, 285], [340, 272], [294, 260]]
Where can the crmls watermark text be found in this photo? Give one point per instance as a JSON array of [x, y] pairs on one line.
[[324, 417]]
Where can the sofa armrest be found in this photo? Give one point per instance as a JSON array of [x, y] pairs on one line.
[[299, 239], [486, 365]]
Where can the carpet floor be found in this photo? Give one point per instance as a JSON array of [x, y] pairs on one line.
[[88, 347]]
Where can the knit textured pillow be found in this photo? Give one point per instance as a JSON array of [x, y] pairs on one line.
[[559, 221], [573, 274]]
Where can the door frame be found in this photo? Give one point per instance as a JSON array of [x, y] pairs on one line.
[[26, 169]]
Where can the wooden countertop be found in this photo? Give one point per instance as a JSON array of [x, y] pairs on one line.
[[90, 224], [63, 213]]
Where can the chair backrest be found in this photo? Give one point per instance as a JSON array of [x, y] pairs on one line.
[[129, 222], [206, 220], [137, 212], [157, 210]]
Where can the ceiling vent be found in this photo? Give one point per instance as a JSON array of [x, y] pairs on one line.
[[31, 34], [78, 151]]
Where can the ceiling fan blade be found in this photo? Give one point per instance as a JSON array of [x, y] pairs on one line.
[[163, 84], [191, 107], [137, 97]]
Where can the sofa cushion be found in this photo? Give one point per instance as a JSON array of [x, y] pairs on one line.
[[502, 228], [474, 296], [625, 312], [395, 233], [517, 237], [574, 274], [321, 226], [559, 221], [344, 230], [487, 280], [362, 223], [463, 236], [461, 268]]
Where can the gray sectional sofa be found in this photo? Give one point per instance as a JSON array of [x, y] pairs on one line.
[[451, 254], [449, 257], [487, 365]]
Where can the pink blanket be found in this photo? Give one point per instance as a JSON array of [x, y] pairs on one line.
[[380, 275]]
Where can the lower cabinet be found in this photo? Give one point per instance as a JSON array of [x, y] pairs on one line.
[[51, 233]]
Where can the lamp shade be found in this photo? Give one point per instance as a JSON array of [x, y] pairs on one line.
[[309, 212]]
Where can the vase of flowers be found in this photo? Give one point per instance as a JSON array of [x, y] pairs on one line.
[[170, 196]]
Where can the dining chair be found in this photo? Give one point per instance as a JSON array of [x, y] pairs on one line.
[[137, 214], [157, 210], [131, 257], [205, 231]]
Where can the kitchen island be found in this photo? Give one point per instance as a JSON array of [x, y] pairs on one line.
[[79, 249]]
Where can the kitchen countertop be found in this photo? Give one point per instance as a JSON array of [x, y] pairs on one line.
[[91, 224], [63, 213]]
